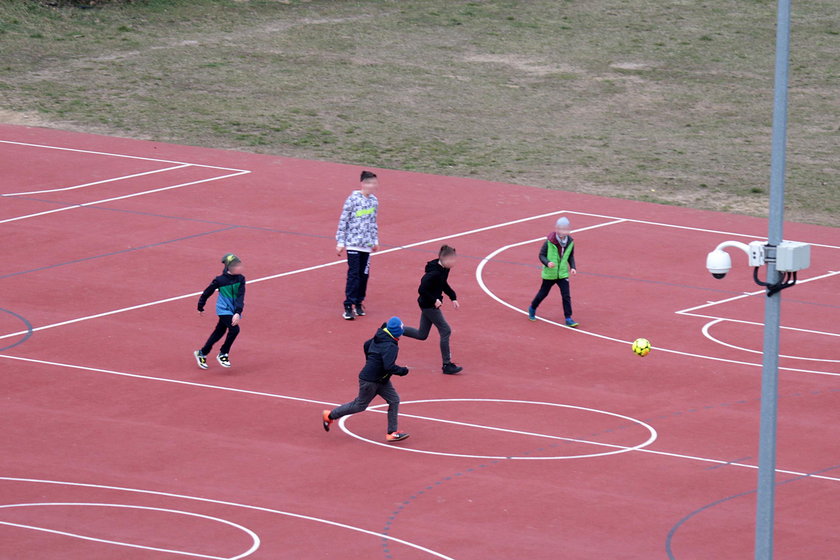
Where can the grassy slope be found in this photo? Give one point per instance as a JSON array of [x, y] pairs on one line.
[[657, 100]]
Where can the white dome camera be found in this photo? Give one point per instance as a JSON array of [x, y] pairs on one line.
[[719, 263]]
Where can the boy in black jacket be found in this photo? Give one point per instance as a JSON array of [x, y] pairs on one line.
[[375, 379], [433, 285], [229, 306]]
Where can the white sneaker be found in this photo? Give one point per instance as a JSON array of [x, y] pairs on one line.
[[223, 360], [200, 359]]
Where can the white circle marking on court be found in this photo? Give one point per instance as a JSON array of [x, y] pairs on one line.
[[300, 516], [255, 540], [617, 448], [479, 276], [707, 334]]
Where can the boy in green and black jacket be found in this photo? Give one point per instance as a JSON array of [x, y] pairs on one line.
[[558, 258], [229, 307]]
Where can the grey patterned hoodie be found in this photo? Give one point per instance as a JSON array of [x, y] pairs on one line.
[[357, 228]]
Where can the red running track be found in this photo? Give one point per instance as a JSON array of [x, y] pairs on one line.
[[555, 443]]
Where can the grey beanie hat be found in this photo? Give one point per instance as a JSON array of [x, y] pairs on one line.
[[562, 222]]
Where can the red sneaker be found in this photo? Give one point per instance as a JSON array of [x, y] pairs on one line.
[[325, 416], [395, 436]]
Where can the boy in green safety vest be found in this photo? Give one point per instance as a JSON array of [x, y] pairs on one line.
[[558, 258]]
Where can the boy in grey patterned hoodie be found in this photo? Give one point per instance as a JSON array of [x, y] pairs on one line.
[[358, 234]]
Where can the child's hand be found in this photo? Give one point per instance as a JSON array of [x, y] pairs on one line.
[[573, 271], [455, 304], [339, 249], [551, 265], [235, 320], [438, 303], [376, 247]]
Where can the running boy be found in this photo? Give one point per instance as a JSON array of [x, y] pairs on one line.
[[433, 285], [229, 306], [375, 379], [358, 233], [558, 258]]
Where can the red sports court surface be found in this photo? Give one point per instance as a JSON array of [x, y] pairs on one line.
[[554, 443]]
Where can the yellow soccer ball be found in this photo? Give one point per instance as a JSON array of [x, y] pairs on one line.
[[641, 346]]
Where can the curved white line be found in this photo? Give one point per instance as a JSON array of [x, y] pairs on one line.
[[233, 504], [254, 538], [708, 335], [479, 271], [618, 448]]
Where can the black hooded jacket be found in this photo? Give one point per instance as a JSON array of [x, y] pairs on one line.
[[381, 353], [434, 284]]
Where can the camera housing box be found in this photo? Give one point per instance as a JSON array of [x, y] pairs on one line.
[[756, 253], [792, 256]]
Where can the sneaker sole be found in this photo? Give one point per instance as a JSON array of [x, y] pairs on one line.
[[346, 318], [200, 365], [397, 439]]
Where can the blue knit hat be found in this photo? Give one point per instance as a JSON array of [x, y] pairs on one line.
[[395, 327]]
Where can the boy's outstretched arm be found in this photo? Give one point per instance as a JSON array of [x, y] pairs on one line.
[[239, 303], [208, 291]]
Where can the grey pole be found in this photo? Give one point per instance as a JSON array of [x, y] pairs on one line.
[[772, 309]]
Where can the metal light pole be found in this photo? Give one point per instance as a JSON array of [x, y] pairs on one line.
[[772, 310]]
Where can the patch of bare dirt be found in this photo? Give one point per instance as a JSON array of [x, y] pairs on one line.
[[23, 118], [522, 64]]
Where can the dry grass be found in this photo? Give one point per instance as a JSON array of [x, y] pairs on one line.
[[662, 101]]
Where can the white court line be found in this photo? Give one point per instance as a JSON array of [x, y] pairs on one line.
[[111, 180], [616, 220], [313, 401], [255, 544], [284, 274], [125, 156], [749, 294], [300, 399], [616, 449], [756, 323], [691, 228], [709, 335], [479, 271], [231, 504], [123, 197]]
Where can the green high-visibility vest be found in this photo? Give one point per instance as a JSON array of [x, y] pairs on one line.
[[562, 268]]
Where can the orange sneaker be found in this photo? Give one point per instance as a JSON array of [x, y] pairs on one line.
[[395, 436], [325, 416]]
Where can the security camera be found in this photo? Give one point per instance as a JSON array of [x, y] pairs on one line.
[[718, 262]]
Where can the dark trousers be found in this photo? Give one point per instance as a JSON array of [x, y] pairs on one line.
[[223, 326], [428, 318], [563, 284], [367, 391], [358, 271]]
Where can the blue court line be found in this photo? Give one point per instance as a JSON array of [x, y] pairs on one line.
[[669, 539], [726, 464], [103, 255], [25, 321]]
